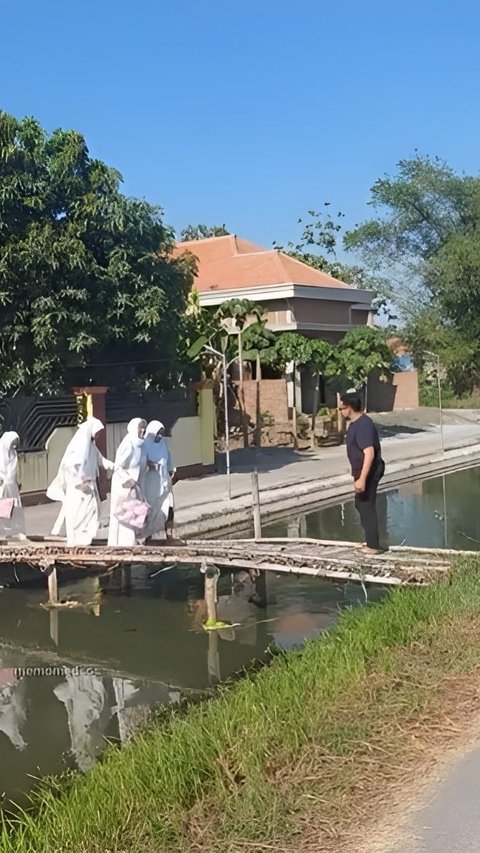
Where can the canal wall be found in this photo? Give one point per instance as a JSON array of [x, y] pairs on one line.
[[235, 516]]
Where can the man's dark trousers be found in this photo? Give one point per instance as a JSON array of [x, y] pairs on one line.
[[366, 504]]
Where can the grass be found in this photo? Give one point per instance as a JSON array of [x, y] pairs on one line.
[[285, 759]]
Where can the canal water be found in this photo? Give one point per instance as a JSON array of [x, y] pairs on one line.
[[74, 679], [443, 512]]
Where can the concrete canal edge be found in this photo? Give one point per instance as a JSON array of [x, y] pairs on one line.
[[236, 515]]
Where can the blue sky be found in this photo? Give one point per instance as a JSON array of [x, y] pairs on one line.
[[249, 113]]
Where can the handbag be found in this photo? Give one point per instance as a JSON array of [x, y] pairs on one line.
[[131, 511], [6, 507]]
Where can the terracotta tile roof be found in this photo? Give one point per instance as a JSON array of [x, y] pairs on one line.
[[231, 263]]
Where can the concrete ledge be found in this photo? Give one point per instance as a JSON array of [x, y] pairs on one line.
[[234, 516]]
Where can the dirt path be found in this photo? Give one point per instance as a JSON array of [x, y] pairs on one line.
[[438, 812]]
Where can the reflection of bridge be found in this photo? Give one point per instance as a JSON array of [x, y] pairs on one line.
[[337, 561]]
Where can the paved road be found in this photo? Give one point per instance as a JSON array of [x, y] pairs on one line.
[[450, 822]]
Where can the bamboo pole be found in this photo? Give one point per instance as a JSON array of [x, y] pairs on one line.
[[257, 520], [52, 586]]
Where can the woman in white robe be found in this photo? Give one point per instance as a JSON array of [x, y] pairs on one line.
[[15, 525], [157, 473], [76, 483], [126, 476]]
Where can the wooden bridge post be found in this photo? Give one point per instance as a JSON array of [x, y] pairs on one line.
[[212, 573], [261, 589], [54, 625], [213, 658], [257, 519], [53, 586]]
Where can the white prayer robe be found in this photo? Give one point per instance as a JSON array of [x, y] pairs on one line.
[[156, 482], [76, 484], [128, 466], [15, 525]]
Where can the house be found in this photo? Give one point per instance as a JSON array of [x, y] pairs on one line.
[[295, 296]]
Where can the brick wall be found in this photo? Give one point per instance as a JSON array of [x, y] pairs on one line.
[[399, 392], [272, 397]]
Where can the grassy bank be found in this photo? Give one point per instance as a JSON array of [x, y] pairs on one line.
[[289, 757]]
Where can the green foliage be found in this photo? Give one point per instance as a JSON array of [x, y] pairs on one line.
[[239, 311], [323, 359], [257, 341], [362, 351], [425, 240], [289, 347], [266, 419], [324, 231], [201, 232], [83, 268], [217, 329]]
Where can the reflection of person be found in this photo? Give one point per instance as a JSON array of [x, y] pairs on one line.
[[126, 476], [157, 474], [364, 455], [76, 484], [12, 707], [15, 525], [85, 700]]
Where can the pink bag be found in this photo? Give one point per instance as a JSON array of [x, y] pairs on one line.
[[6, 507], [131, 511]]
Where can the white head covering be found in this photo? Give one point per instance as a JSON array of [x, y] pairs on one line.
[[132, 431], [155, 451], [153, 428], [78, 450], [77, 455], [8, 457], [130, 448]]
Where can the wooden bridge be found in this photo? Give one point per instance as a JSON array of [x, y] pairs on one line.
[[336, 561]]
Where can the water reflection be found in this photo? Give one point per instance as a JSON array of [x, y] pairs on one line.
[[132, 640], [440, 512]]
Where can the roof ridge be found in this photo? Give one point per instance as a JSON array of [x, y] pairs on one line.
[[321, 272], [207, 239]]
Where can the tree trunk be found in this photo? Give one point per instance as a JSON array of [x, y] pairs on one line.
[[316, 398], [294, 378]]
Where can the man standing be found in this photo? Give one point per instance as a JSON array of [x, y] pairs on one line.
[[364, 455]]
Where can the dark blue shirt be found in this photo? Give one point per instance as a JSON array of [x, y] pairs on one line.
[[361, 433]]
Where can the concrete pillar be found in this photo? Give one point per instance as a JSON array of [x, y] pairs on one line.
[[92, 402], [206, 413]]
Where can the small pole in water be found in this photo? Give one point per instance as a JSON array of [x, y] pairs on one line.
[[54, 625], [52, 586], [257, 520], [212, 573]]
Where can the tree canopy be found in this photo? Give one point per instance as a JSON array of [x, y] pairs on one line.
[[201, 232], [425, 243], [84, 269]]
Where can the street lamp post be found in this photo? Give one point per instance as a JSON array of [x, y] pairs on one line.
[[440, 407], [223, 357]]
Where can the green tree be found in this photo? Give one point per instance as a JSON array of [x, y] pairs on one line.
[[425, 242], [323, 362], [257, 342], [83, 268], [318, 246], [291, 350], [361, 352], [201, 232], [235, 314]]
